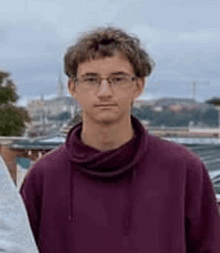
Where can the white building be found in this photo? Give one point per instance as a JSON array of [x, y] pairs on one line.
[[38, 108]]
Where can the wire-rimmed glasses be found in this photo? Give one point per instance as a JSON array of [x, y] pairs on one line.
[[115, 80]]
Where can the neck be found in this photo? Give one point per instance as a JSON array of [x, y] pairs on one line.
[[108, 137]]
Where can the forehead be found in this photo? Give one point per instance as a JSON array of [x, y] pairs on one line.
[[106, 66]]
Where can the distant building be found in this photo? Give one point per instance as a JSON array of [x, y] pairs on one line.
[[55, 106], [34, 108], [142, 102], [175, 107], [145, 123], [157, 108], [165, 102], [50, 108], [42, 109]]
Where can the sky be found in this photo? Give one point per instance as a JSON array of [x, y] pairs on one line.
[[182, 36]]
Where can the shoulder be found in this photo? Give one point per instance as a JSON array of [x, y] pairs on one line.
[[170, 152], [179, 161], [46, 168], [50, 162]]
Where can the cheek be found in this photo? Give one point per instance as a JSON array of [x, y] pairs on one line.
[[85, 100], [125, 97]]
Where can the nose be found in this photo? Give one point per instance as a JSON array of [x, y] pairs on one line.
[[104, 88]]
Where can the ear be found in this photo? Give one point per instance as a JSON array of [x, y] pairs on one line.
[[140, 83], [72, 87]]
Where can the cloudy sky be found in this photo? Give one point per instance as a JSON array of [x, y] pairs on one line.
[[182, 36]]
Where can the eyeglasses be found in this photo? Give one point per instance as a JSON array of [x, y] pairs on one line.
[[93, 82]]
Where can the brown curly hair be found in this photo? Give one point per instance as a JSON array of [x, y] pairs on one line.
[[104, 42]]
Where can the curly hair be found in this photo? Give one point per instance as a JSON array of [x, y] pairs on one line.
[[105, 42]]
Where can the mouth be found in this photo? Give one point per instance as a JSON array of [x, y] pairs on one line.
[[105, 105]]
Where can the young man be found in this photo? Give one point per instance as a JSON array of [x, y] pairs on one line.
[[15, 231], [112, 187]]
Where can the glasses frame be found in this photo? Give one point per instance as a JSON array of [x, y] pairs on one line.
[[130, 79]]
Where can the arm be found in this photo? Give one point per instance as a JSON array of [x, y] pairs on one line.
[[15, 231], [202, 215]]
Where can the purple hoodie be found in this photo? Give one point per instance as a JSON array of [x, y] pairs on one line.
[[149, 195]]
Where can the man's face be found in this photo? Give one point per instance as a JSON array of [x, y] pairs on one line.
[[106, 103]]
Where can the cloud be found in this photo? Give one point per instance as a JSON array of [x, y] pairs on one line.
[[202, 36], [33, 54], [28, 38], [185, 45], [2, 36], [44, 11]]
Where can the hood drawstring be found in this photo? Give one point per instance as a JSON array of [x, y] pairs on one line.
[[71, 192], [127, 218]]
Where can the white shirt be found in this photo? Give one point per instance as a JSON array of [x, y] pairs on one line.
[[15, 232]]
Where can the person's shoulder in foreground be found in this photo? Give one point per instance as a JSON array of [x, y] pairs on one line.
[[15, 232]]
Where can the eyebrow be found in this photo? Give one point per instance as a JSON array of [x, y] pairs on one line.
[[96, 74], [90, 74], [119, 73]]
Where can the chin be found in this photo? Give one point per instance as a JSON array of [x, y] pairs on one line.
[[106, 119]]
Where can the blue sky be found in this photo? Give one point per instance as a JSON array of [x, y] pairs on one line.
[[182, 36]]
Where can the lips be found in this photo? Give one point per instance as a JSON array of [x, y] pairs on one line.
[[106, 105]]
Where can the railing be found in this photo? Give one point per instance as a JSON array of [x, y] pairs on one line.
[[4, 140]]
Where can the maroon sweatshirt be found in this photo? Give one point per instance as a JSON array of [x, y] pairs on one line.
[[149, 195]]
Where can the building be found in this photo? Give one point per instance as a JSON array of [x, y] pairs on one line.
[[165, 102], [175, 107], [142, 102], [45, 109], [157, 108], [40, 108]]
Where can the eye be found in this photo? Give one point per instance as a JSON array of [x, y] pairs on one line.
[[118, 79], [90, 79]]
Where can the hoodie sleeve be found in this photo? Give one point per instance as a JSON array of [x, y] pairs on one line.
[[202, 214], [15, 231]]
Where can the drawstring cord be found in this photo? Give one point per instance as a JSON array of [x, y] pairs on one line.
[[127, 218], [71, 192]]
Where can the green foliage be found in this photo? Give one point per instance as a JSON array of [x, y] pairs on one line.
[[12, 118], [7, 89], [145, 112], [210, 116], [178, 119], [3, 76]]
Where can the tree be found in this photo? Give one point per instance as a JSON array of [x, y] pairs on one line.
[[12, 117], [210, 117]]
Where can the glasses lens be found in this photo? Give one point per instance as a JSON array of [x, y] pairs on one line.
[[117, 80], [88, 82]]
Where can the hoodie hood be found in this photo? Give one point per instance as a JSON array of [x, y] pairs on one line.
[[106, 163]]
